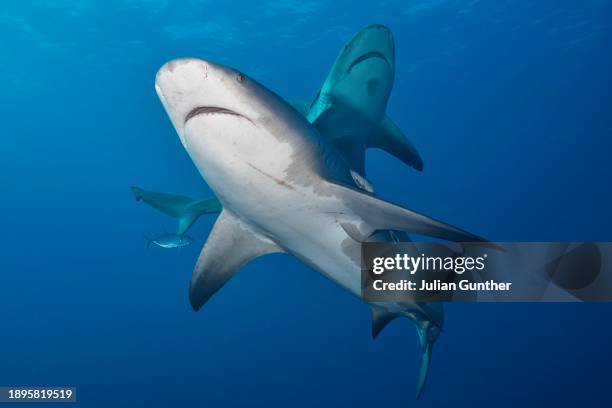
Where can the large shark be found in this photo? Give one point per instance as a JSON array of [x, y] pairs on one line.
[[348, 111], [283, 188]]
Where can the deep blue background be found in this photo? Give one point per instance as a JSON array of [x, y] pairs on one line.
[[508, 101]]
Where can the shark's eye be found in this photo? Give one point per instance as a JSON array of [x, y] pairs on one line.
[[240, 78]]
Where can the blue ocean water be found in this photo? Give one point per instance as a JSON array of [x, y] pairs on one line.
[[508, 102]]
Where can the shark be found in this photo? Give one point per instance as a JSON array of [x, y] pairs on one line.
[[350, 106], [283, 188], [348, 111]]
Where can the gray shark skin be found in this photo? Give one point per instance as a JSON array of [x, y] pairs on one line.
[[283, 188], [349, 111]]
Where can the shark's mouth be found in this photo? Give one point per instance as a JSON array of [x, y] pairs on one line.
[[212, 110], [367, 56]]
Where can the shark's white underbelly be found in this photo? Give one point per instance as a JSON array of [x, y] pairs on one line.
[[297, 219], [274, 186]]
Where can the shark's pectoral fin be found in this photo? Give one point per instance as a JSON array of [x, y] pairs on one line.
[[230, 246], [380, 319], [374, 214], [186, 209], [391, 139]]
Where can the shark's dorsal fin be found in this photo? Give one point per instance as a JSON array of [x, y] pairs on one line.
[[380, 319], [229, 247], [391, 139], [186, 209]]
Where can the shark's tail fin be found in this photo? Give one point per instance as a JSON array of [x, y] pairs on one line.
[[424, 371], [426, 345], [428, 328], [147, 240], [186, 209]]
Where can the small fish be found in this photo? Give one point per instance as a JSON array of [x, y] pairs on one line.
[[169, 241]]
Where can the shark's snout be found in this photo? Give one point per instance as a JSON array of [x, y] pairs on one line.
[[179, 75], [181, 85], [375, 41], [182, 65], [191, 88]]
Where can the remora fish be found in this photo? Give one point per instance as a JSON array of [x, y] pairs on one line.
[[169, 241], [348, 111], [282, 187]]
